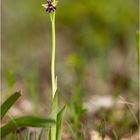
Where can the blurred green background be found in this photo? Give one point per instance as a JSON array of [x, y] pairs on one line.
[[96, 52]]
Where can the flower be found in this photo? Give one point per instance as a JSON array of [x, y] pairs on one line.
[[50, 6]]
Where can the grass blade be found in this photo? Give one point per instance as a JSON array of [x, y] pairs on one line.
[[40, 134], [8, 103], [49, 134], [24, 122], [59, 123]]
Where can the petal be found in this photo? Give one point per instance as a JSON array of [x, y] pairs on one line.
[[45, 5], [55, 3]]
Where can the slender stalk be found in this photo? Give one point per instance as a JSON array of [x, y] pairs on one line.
[[53, 53], [54, 131], [54, 84]]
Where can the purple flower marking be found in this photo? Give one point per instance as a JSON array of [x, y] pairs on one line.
[[50, 7]]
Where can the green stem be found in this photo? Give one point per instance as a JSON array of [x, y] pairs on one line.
[[54, 84], [53, 54]]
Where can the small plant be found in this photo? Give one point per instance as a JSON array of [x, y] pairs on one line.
[[54, 131]]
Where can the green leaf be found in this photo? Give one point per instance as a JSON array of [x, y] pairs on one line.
[[102, 129], [54, 106], [59, 123], [40, 134], [25, 121], [49, 134], [8, 103]]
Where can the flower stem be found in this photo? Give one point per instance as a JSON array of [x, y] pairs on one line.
[[53, 54], [54, 82]]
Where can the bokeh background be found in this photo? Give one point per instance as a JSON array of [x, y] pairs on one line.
[[96, 58]]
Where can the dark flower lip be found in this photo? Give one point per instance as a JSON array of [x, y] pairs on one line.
[[50, 7]]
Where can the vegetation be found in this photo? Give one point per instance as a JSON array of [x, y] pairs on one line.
[[90, 73]]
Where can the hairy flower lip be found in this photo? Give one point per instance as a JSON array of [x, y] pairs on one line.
[[50, 6]]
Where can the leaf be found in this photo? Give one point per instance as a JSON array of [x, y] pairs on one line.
[[55, 86], [54, 106], [8, 103], [24, 122], [49, 134], [59, 123], [102, 129], [40, 134]]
